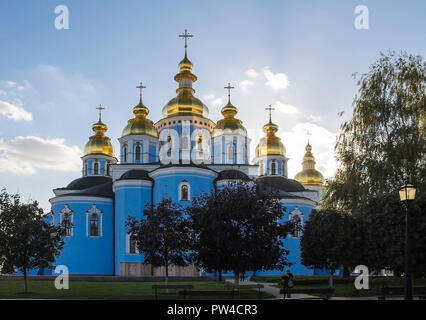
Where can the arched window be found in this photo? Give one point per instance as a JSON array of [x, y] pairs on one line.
[[169, 146], [108, 168], [231, 152], [94, 225], [200, 144], [138, 151], [94, 222], [66, 219], [125, 153], [184, 191], [273, 167], [96, 167], [85, 167], [297, 217], [132, 244]]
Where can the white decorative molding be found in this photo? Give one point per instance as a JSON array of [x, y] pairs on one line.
[[99, 213], [66, 211], [183, 170]]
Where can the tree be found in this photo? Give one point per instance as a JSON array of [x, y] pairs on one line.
[[26, 240], [383, 225], [162, 236], [330, 240], [385, 141], [235, 229]]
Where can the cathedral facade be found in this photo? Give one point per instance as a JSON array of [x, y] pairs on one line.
[[177, 157]]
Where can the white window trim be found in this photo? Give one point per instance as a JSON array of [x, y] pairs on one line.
[[180, 190], [128, 246], [94, 210], [67, 211], [291, 215]]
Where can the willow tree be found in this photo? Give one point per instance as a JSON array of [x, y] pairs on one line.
[[384, 142]]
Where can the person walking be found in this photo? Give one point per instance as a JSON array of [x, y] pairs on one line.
[[288, 283]]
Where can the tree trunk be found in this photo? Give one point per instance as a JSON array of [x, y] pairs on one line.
[[330, 280], [237, 278], [167, 276], [220, 275], [25, 281]]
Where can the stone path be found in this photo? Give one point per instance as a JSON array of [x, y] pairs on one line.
[[274, 291]]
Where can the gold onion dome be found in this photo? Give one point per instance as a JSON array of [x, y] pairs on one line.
[[229, 124], [140, 125], [270, 145], [99, 143], [185, 103], [309, 175]]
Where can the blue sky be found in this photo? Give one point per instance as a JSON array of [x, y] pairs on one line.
[[296, 55]]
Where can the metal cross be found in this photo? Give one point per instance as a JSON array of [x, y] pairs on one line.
[[229, 91], [140, 87], [308, 133], [186, 35], [270, 112], [100, 108]]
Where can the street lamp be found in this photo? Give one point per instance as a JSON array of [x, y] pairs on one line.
[[407, 193]]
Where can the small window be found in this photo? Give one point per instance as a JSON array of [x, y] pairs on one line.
[[108, 168], [66, 219], [231, 152], [96, 167], [297, 225], [273, 167], [85, 167], [125, 153], [200, 144], [94, 225], [184, 191], [138, 152]]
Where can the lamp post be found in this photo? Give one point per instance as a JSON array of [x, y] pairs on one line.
[[407, 193]]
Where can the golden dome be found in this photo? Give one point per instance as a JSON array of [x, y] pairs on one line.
[[140, 125], [185, 104], [229, 124], [99, 143], [309, 175], [270, 145]]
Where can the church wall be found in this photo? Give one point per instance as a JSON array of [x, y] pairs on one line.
[[167, 183], [131, 197], [83, 254]]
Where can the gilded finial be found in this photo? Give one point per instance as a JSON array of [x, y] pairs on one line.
[[229, 91]]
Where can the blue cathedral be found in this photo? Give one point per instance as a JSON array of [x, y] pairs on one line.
[[183, 153]]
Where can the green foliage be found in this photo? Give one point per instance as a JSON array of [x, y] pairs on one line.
[[383, 225], [385, 142], [330, 239], [163, 235], [26, 240], [235, 229]]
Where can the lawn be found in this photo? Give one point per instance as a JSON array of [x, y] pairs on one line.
[[41, 289], [344, 287]]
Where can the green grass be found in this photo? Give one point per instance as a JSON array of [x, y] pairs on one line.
[[41, 289], [345, 287]]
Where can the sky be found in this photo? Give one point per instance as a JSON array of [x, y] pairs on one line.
[[298, 56]]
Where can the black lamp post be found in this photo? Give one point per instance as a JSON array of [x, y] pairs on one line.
[[407, 193]]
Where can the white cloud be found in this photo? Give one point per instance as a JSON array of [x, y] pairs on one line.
[[213, 101], [322, 141], [246, 84], [285, 108], [251, 73], [24, 155], [276, 81], [14, 112]]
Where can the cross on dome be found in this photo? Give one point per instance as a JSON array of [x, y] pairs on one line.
[[140, 87], [229, 91], [100, 108], [270, 109]]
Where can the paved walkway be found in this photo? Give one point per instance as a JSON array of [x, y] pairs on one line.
[[274, 291]]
